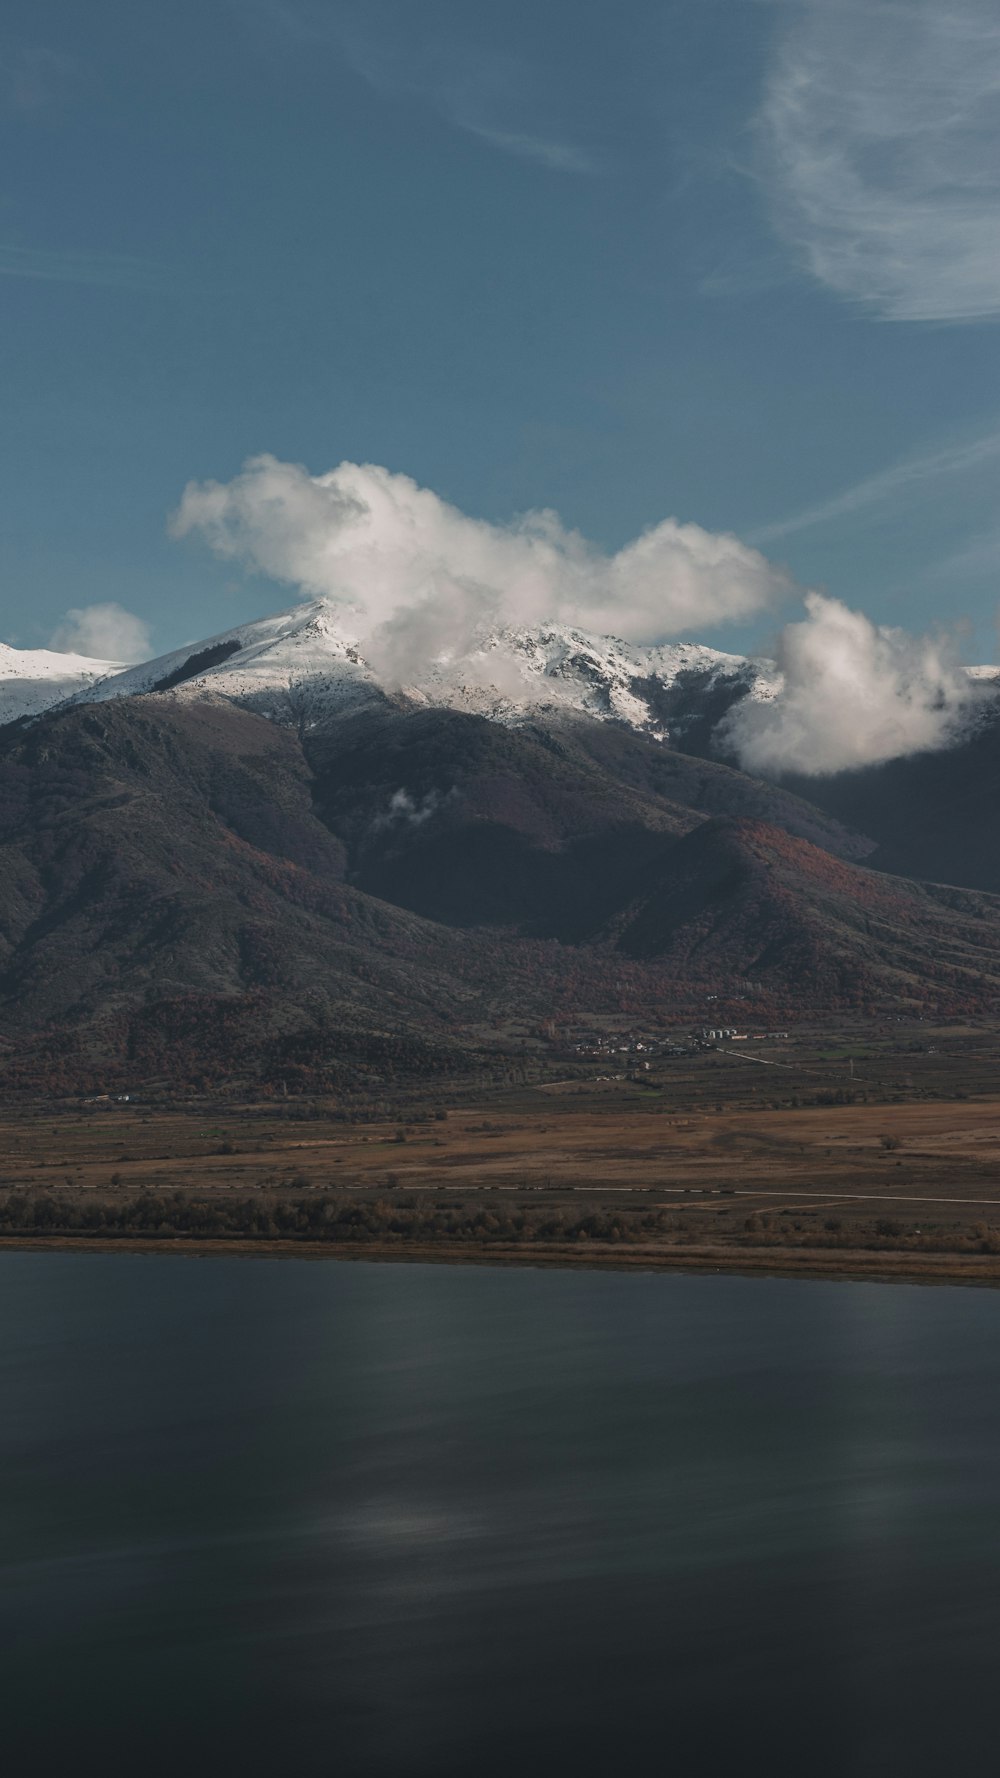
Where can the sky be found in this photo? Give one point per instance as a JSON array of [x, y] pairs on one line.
[[722, 272]]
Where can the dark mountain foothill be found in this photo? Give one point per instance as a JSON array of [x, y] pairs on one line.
[[192, 893], [931, 815], [471, 823], [749, 897]]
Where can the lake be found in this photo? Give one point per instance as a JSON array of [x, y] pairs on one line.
[[273, 1516]]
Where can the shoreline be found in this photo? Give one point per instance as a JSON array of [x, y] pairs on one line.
[[853, 1265]]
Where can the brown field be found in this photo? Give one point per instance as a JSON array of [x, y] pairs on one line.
[[709, 1159], [949, 1155]]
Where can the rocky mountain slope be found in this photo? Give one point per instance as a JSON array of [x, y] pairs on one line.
[[254, 860], [747, 897], [544, 827], [191, 893], [303, 666], [169, 900], [932, 815]]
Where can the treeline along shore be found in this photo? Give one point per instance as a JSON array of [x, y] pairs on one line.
[[493, 1233]]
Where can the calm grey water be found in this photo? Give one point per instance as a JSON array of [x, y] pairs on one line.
[[274, 1517]]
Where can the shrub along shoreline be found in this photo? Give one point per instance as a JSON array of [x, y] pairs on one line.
[[325, 1224]]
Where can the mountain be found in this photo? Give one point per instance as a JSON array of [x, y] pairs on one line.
[[252, 861], [36, 679], [171, 903], [174, 905], [543, 828], [557, 671], [746, 897], [303, 666], [706, 785], [471, 823], [292, 668], [932, 815], [193, 894]]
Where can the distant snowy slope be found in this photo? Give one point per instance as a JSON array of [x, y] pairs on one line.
[[33, 679], [304, 665], [554, 668], [298, 665]]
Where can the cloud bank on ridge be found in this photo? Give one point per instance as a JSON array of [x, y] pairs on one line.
[[852, 693], [424, 583]]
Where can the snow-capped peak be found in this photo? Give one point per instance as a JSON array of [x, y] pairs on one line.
[[279, 666], [516, 672], [306, 664], [33, 679]]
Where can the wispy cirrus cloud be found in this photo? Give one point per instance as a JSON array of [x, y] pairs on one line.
[[487, 93], [888, 484], [977, 558], [880, 130], [563, 157], [54, 267]]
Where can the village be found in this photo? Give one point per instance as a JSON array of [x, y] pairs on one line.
[[635, 1050]]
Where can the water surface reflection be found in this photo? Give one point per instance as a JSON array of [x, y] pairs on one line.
[[287, 1518]]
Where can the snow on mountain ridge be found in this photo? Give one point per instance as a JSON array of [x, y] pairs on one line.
[[555, 667], [273, 665], [34, 679], [300, 666]]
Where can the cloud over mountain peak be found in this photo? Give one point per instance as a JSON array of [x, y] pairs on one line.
[[426, 583]]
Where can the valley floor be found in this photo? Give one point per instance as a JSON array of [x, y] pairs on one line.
[[848, 1153]]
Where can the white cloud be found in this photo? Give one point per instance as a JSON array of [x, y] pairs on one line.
[[881, 129], [851, 694], [405, 810], [107, 632], [426, 583]]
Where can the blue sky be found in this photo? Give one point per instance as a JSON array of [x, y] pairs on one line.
[[735, 262]]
